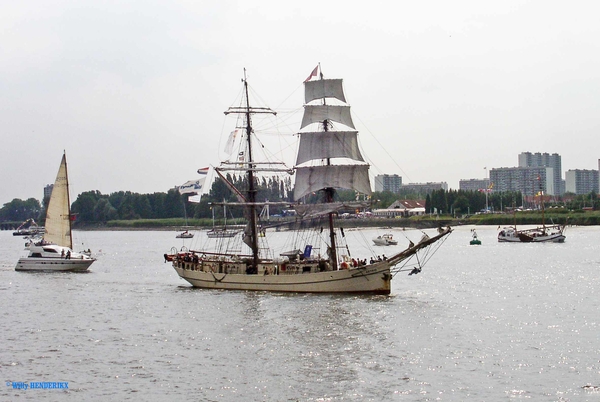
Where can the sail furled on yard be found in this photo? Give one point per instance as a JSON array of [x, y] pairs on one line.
[[318, 164], [58, 218]]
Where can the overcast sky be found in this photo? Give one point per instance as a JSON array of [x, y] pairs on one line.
[[135, 91]]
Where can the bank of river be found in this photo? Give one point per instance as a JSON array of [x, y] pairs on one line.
[[571, 218]]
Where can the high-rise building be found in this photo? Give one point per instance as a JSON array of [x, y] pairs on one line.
[[424, 188], [528, 159], [582, 181], [527, 180], [473, 184], [388, 182], [48, 190]]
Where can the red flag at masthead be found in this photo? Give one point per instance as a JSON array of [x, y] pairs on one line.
[[313, 74]]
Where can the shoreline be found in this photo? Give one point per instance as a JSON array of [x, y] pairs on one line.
[[347, 224], [420, 222]]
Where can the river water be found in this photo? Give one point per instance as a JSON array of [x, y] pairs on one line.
[[495, 322]]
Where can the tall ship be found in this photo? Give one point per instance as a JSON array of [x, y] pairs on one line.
[[54, 251], [319, 260]]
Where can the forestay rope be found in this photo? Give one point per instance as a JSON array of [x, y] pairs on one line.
[[426, 255]]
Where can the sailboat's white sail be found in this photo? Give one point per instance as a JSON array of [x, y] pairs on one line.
[[58, 217], [314, 178], [318, 113], [330, 88], [332, 144], [328, 145]]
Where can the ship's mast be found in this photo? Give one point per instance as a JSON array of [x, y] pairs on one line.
[[251, 185], [329, 197], [542, 203], [325, 148], [250, 167], [68, 202]]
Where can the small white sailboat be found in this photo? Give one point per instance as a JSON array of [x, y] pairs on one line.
[[54, 252]]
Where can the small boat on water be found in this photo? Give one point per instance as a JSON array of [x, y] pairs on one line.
[[541, 234], [385, 240], [553, 234], [328, 159], [216, 233], [184, 235], [29, 228], [54, 251]]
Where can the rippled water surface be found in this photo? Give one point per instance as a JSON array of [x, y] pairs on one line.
[[494, 322]]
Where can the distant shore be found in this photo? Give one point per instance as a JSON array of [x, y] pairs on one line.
[[587, 218], [562, 217]]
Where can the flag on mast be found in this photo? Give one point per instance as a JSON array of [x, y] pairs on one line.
[[192, 186], [313, 74]]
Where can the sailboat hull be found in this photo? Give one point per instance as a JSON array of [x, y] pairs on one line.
[[373, 279], [50, 257], [548, 234], [53, 264]]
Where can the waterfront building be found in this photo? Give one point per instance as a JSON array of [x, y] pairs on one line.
[[527, 180], [474, 184], [554, 161], [388, 182], [424, 188], [582, 181], [402, 208]]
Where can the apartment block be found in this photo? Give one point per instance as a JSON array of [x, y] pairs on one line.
[[425, 188], [554, 161], [474, 184], [388, 182], [582, 181], [527, 180]]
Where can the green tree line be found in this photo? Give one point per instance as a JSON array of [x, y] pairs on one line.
[[465, 202], [94, 207], [19, 211]]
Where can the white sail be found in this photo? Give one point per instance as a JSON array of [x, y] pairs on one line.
[[315, 178], [330, 144], [329, 88], [318, 113], [58, 217]]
